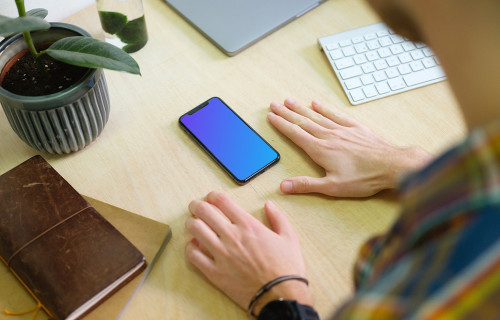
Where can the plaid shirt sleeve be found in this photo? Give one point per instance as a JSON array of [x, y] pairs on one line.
[[441, 259]]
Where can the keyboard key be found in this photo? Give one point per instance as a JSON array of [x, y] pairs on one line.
[[379, 76], [385, 41], [372, 56], [344, 63], [360, 59], [345, 43], [392, 73], [384, 52], [392, 61], [429, 62], [336, 54], [423, 76], [370, 91], [351, 72], [370, 36], [357, 94], [417, 55], [404, 69], [348, 51], [409, 46], [357, 40], [332, 46], [427, 52], [380, 64], [353, 83], [405, 58], [397, 39], [367, 79], [396, 49], [368, 67], [382, 87], [416, 66], [382, 33], [373, 45], [360, 48], [396, 84], [420, 45]]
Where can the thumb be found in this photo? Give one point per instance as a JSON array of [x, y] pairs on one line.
[[277, 219], [304, 185]]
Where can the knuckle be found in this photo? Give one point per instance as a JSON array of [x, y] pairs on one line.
[[194, 225], [318, 148], [328, 145], [189, 252], [295, 129], [301, 184], [219, 198]]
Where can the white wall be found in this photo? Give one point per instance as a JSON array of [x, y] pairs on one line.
[[58, 9]]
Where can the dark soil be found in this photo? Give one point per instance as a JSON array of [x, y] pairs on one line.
[[27, 79]]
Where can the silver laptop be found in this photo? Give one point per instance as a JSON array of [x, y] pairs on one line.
[[233, 25]]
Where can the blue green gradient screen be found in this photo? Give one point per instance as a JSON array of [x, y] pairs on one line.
[[232, 142]]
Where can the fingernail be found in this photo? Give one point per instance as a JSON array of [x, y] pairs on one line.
[[286, 186], [269, 204], [289, 100]]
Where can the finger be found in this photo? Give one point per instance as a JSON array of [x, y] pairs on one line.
[[199, 259], [311, 114], [298, 119], [295, 133], [277, 219], [210, 215], [305, 185], [228, 207], [204, 234], [202, 248], [334, 116]]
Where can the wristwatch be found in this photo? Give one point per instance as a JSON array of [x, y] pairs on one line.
[[287, 310]]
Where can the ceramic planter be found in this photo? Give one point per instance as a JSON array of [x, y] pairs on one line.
[[62, 122]]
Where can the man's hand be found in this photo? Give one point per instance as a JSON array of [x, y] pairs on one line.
[[239, 254], [357, 162]]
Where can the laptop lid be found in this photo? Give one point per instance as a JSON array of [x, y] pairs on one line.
[[233, 25]]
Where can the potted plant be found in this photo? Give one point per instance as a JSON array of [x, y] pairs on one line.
[[52, 87]]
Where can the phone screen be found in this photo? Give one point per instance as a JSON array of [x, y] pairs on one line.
[[229, 140]]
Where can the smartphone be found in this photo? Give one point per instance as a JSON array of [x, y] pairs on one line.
[[231, 142]]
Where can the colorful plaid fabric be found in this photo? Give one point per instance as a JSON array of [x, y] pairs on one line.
[[441, 259]]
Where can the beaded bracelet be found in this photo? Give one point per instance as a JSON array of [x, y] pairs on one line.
[[268, 286]]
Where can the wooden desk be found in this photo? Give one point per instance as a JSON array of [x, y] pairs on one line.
[[145, 163]]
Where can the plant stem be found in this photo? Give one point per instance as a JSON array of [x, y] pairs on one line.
[[27, 35]]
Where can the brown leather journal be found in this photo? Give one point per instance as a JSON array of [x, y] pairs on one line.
[[63, 251]]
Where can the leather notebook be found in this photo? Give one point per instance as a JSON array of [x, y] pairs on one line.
[[59, 247]]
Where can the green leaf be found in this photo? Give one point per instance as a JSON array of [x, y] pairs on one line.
[[10, 26], [134, 32], [133, 47], [112, 22], [39, 12], [92, 53]]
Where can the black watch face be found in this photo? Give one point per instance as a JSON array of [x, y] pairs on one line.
[[287, 310], [279, 310]]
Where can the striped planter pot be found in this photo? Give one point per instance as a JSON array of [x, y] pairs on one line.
[[62, 122]]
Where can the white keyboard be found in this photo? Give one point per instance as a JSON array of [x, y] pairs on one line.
[[372, 62]]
